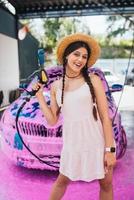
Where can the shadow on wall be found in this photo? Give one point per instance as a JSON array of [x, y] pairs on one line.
[[14, 94], [1, 97]]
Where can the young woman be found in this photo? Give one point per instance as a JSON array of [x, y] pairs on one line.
[[88, 151]]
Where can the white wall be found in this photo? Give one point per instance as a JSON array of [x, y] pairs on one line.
[[9, 66]]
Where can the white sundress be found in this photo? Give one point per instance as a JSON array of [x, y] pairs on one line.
[[82, 156]]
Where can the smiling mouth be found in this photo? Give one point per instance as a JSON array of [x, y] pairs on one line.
[[78, 65]]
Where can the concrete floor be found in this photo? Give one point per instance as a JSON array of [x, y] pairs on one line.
[[22, 184]]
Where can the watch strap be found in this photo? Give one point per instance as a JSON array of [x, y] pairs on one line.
[[110, 149]]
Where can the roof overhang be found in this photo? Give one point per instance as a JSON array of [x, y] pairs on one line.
[[66, 8]]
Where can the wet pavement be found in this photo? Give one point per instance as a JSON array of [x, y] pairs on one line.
[[18, 183]]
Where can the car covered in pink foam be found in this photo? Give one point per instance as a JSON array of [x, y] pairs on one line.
[[43, 140]]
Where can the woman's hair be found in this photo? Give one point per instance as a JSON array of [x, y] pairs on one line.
[[72, 47]]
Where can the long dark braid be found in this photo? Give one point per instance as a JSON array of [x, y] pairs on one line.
[[63, 81], [63, 84], [88, 81]]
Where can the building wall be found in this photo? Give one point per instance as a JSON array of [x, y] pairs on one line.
[[7, 24], [18, 59], [9, 63], [28, 56]]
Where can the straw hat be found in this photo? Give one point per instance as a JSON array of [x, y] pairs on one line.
[[91, 42]]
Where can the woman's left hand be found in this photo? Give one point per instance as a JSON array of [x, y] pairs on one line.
[[109, 161]]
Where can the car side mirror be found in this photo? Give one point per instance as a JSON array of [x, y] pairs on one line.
[[116, 88]]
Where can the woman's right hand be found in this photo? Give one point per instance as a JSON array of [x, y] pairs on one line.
[[39, 88]]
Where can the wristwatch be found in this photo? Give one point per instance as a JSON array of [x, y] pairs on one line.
[[110, 149]]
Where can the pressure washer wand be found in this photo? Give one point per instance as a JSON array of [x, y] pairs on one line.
[[42, 78]]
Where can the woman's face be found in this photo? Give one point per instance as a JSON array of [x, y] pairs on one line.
[[77, 59]]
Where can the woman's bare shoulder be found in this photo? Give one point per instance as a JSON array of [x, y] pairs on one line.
[[97, 83], [55, 85], [95, 79]]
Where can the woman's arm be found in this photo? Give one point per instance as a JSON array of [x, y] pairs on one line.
[[48, 111], [102, 106]]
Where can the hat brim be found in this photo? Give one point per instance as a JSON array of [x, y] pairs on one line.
[[91, 42]]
